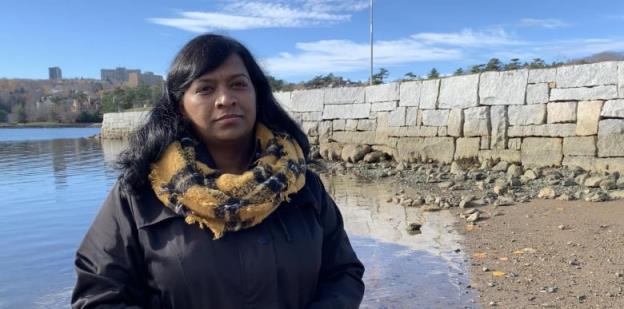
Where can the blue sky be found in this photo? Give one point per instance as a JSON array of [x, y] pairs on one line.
[[299, 39]]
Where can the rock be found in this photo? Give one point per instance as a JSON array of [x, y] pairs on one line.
[[413, 228], [469, 212], [465, 201], [515, 182], [331, 151], [504, 201], [477, 175], [608, 184], [580, 179], [500, 167], [353, 153], [530, 174], [417, 201], [445, 184], [565, 197], [547, 193], [596, 196], [514, 171], [592, 182], [373, 157], [431, 208], [473, 217], [456, 168], [500, 188], [568, 182], [401, 166], [616, 195], [486, 164]]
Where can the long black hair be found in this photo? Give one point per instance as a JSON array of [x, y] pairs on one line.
[[165, 123]]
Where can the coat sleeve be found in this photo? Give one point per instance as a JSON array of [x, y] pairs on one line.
[[108, 261], [340, 280]]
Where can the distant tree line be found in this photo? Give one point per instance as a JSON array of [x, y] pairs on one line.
[[23, 105], [494, 64]]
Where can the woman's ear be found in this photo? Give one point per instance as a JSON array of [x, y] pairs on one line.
[[182, 109]]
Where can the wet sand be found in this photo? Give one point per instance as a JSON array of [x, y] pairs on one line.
[[548, 254], [403, 270]]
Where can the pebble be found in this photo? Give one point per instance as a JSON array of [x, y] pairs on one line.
[[473, 217]]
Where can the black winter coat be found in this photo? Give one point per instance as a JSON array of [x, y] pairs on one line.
[[139, 254]]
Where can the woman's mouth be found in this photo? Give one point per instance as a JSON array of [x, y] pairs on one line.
[[228, 116]]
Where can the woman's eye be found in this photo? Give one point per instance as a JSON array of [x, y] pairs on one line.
[[240, 84], [204, 89]]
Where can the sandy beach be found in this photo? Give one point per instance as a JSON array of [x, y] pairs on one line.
[[548, 254]]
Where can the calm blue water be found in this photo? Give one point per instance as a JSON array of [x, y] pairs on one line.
[[53, 181]]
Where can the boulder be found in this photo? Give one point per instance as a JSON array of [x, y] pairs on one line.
[[353, 153], [330, 151], [373, 157]]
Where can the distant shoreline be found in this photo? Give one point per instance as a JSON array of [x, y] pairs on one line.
[[49, 125]]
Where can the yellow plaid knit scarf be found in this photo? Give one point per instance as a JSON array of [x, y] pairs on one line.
[[229, 202]]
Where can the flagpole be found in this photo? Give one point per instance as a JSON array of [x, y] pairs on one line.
[[370, 18]]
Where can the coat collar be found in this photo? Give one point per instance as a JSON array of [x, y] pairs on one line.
[[152, 211]]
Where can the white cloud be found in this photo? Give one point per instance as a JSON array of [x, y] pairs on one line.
[[347, 56], [548, 23], [242, 15], [467, 38]]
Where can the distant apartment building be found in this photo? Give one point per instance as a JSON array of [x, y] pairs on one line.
[[151, 79], [54, 73], [130, 77], [134, 79]]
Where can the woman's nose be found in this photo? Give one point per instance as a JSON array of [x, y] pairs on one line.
[[225, 97]]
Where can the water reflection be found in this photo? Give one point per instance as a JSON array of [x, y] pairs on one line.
[[402, 270], [51, 191], [53, 188]]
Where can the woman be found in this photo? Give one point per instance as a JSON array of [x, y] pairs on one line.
[[214, 207]]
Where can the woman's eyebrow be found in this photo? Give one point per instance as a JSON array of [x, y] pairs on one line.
[[233, 76]]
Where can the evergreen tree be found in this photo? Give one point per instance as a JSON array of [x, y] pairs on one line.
[[514, 64], [478, 68], [380, 76], [410, 76], [433, 74], [458, 72], [493, 65]]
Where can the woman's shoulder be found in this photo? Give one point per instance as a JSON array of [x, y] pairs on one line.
[[142, 206]]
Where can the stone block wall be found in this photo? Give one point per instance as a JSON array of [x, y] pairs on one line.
[[120, 125], [571, 115]]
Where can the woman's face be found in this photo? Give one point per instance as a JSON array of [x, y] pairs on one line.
[[221, 104]]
